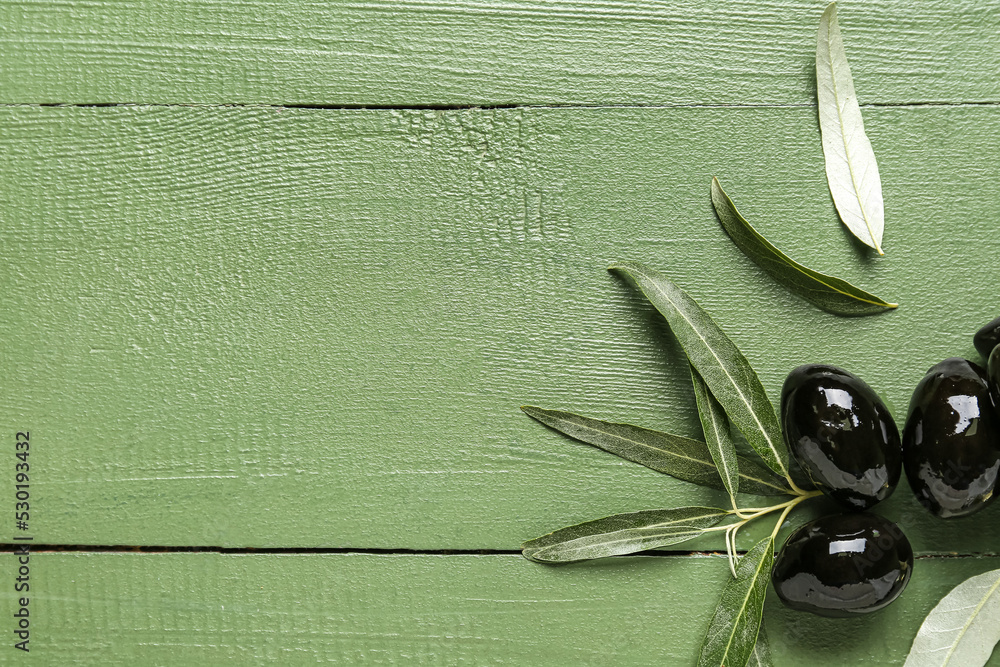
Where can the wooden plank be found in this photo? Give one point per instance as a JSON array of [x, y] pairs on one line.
[[487, 52], [275, 327], [185, 609]]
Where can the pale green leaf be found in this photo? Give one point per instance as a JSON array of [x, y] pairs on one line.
[[718, 439], [725, 370], [851, 169], [733, 631], [827, 292], [761, 655], [622, 534], [673, 455], [963, 628]]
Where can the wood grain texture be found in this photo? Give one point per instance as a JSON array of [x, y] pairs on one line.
[[253, 327], [209, 609], [487, 52]]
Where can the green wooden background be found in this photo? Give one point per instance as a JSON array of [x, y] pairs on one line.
[[277, 276]]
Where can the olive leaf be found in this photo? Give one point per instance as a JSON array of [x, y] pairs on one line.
[[686, 459], [622, 534], [826, 292], [851, 169], [963, 628], [718, 439], [725, 370], [733, 632], [761, 655]]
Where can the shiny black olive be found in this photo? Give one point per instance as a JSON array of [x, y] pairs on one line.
[[993, 378], [843, 565], [951, 441], [841, 434], [987, 338]]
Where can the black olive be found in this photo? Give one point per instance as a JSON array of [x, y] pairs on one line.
[[843, 565], [987, 338], [951, 441], [841, 434], [993, 378]]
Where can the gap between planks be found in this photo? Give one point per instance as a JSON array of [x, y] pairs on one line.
[[490, 107], [118, 548]]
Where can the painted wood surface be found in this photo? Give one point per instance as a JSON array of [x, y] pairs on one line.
[[302, 328], [487, 52], [249, 325], [210, 609]]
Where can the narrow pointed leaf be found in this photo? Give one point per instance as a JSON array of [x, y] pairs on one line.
[[851, 169], [725, 370], [718, 439], [963, 628], [761, 655], [733, 632], [622, 534], [826, 292], [673, 455]]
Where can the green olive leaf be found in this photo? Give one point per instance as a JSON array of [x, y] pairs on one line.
[[825, 292], [686, 459], [963, 628], [718, 439], [851, 169], [622, 534], [733, 632], [761, 655], [725, 370]]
